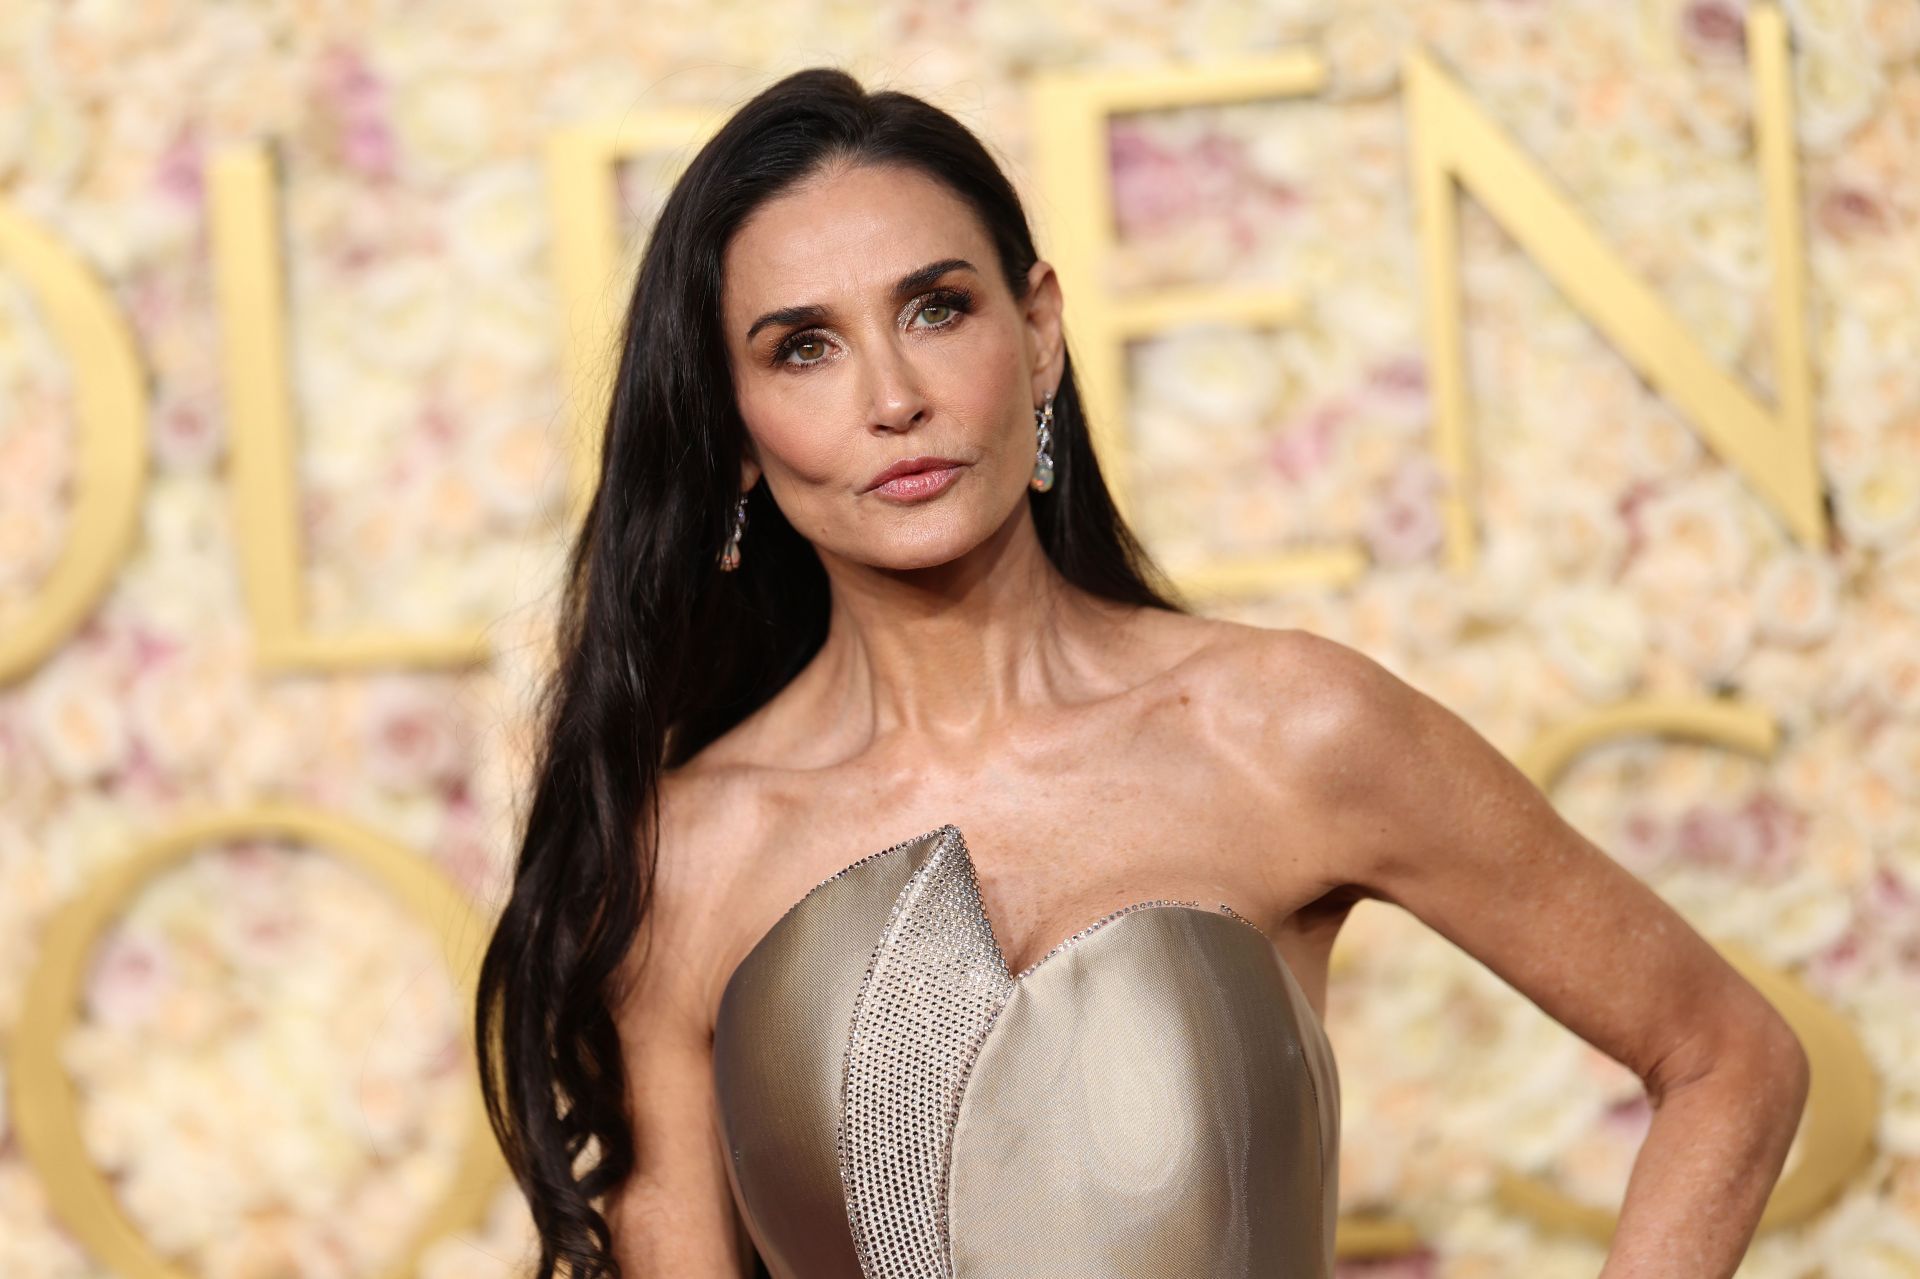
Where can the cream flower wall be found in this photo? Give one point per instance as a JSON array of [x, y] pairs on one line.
[[264, 1051]]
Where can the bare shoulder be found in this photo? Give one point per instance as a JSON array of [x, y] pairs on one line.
[[1305, 725], [709, 811], [707, 815], [1287, 695]]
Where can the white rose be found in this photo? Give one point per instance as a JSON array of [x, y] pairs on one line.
[[1364, 46], [1710, 635], [1693, 536], [1805, 914], [1595, 637], [497, 220], [74, 712], [1797, 598], [446, 124], [1217, 375], [1835, 88], [408, 313], [1880, 507]]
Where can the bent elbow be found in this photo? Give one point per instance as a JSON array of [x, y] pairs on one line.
[[1773, 1064], [1788, 1059], [1759, 1048]]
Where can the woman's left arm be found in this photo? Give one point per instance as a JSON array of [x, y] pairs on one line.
[[1434, 819]]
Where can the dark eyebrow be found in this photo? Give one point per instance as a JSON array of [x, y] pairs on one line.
[[909, 284]]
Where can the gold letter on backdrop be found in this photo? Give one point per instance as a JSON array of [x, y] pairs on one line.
[[46, 1109], [1451, 139], [1070, 114], [111, 393], [264, 456], [586, 252], [1836, 1130]]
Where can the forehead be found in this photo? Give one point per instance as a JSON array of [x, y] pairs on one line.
[[853, 230]]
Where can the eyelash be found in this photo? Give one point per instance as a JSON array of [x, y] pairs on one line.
[[959, 301]]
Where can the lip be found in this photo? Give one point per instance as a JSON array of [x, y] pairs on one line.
[[915, 477]]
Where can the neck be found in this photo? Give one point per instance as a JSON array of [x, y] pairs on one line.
[[953, 651]]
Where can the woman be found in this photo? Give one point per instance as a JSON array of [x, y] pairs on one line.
[[850, 586]]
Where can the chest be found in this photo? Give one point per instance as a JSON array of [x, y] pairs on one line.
[[1042, 879], [879, 1067], [1065, 823]]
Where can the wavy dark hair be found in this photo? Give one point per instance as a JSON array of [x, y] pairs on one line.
[[659, 653]]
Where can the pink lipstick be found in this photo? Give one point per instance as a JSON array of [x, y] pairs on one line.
[[916, 478]]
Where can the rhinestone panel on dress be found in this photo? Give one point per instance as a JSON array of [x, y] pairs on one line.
[[933, 986]]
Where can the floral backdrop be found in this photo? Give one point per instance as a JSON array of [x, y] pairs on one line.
[[268, 1049]]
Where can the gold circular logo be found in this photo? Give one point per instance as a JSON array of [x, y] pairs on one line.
[[45, 1103]]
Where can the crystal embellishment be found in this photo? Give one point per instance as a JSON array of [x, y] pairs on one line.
[[932, 987], [935, 983]]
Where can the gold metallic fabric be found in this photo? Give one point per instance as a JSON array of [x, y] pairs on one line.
[[1153, 1098]]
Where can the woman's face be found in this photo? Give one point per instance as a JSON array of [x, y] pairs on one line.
[[867, 323]]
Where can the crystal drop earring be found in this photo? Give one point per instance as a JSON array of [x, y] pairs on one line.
[[730, 557], [1043, 459]]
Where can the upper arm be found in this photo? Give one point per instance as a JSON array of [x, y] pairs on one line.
[[1436, 820], [675, 1215]]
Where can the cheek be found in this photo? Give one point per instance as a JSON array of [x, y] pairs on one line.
[[797, 431], [984, 387]]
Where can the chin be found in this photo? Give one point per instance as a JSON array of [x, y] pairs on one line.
[[929, 549], [905, 562]]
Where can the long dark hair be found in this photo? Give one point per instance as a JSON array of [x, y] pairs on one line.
[[659, 652]]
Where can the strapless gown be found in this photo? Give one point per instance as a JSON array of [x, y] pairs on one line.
[[1154, 1098]]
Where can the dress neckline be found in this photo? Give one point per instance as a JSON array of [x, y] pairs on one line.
[[951, 834]]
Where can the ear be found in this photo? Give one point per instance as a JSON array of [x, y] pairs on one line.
[[1046, 344]]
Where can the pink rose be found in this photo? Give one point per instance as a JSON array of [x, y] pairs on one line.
[[131, 974]]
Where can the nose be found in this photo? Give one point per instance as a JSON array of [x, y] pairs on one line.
[[895, 401]]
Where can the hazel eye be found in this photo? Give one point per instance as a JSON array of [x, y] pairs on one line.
[[954, 302], [782, 354]]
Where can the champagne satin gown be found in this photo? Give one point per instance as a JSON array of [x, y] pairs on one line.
[[1154, 1098]]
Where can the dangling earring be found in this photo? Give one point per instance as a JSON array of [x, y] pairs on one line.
[[1043, 460], [730, 558]]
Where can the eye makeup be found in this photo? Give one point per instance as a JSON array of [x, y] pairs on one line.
[[952, 297]]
